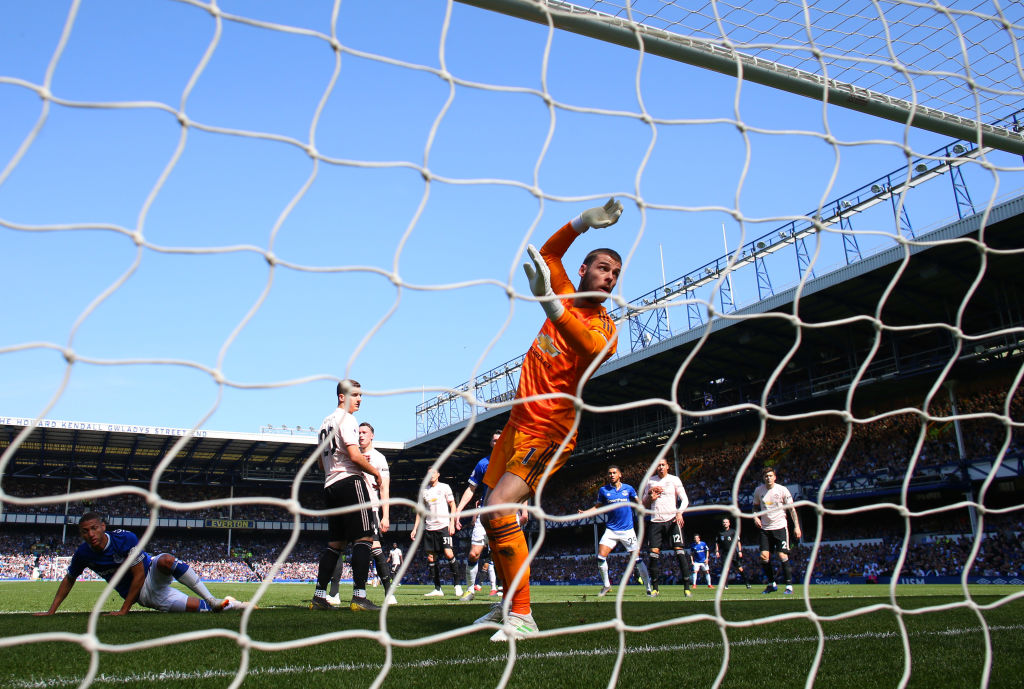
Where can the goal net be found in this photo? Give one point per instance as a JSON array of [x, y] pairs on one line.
[[212, 212]]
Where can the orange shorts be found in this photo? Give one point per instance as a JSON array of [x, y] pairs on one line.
[[526, 456]]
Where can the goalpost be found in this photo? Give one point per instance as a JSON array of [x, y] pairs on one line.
[[258, 201], [863, 56]]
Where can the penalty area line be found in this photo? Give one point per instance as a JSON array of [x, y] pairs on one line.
[[285, 670]]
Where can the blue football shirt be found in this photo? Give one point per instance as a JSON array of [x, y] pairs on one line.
[[621, 518], [121, 546]]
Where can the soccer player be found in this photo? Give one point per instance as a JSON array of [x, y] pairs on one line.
[[699, 552], [618, 527], [771, 502], [576, 336], [395, 560], [148, 579], [380, 498], [478, 537], [723, 542], [665, 496], [344, 486], [438, 532]]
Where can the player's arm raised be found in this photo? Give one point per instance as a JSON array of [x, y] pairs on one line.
[[62, 592], [547, 278]]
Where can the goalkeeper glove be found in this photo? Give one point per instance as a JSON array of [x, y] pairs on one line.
[[605, 215], [540, 283]]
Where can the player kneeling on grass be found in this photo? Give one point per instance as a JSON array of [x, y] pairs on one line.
[[148, 579]]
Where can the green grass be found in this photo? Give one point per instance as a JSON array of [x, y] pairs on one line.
[[668, 642]]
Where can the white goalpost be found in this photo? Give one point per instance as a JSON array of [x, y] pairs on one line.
[[946, 69], [210, 212]]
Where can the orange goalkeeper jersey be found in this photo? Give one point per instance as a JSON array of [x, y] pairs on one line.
[[561, 353]]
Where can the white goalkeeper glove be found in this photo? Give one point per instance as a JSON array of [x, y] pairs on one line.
[[603, 216], [540, 283]]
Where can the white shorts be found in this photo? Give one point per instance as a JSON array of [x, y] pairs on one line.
[[158, 594], [626, 538], [698, 566], [479, 536]]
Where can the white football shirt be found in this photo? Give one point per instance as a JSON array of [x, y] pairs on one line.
[[672, 499], [435, 499], [342, 430], [774, 503], [380, 463]]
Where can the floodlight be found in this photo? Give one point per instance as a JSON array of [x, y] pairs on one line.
[[958, 149], [921, 168], [760, 245], [875, 189]]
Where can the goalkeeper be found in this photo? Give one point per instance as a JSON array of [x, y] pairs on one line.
[[577, 331]]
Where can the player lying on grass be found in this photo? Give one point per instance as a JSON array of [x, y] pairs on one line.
[[148, 579]]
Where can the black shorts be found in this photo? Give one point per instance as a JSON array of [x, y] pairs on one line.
[[661, 535], [437, 541], [775, 540], [349, 526]]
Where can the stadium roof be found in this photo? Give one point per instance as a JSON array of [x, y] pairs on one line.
[[942, 285], [745, 348]]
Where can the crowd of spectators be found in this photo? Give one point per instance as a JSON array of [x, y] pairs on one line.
[[804, 452], [563, 557]]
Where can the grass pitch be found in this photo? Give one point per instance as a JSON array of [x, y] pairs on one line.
[[843, 636]]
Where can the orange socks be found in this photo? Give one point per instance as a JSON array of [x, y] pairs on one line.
[[508, 553]]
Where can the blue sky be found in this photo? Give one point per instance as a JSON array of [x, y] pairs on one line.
[[209, 299]]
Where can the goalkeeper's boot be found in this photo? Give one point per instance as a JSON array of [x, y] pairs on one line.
[[493, 615], [516, 627]]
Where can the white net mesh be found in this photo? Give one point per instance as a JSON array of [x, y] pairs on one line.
[[243, 204]]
